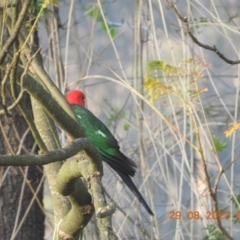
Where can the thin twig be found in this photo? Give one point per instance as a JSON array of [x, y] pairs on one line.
[[210, 48], [15, 31]]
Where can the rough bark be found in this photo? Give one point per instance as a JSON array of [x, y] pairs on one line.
[[15, 192]]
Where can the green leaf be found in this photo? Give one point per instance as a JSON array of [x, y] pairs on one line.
[[234, 201], [126, 126], [116, 116], [203, 20], [214, 232], [93, 12], [154, 65], [112, 29], [113, 32], [218, 145], [104, 27]]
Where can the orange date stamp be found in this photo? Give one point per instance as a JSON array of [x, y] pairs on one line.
[[209, 215]]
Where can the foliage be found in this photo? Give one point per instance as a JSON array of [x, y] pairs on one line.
[[117, 115], [236, 217], [214, 233], [93, 12], [162, 79], [233, 129], [218, 145], [198, 22]]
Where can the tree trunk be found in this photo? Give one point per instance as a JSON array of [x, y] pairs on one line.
[[16, 193]]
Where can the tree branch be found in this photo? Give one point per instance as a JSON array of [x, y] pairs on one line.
[[67, 185], [15, 31], [52, 107], [38, 70], [213, 49], [49, 157]]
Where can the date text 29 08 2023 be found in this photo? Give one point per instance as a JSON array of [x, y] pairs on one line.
[[209, 215]]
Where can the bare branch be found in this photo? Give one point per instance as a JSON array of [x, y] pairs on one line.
[[15, 31], [51, 156], [213, 49]]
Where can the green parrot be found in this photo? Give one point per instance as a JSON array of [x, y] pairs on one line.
[[100, 136]]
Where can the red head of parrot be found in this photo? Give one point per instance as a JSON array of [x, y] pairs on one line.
[[76, 97]]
